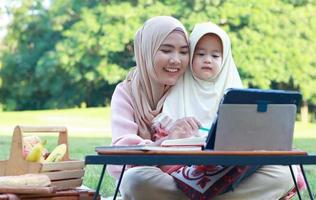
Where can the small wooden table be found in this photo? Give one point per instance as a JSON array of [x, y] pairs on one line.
[[199, 157]]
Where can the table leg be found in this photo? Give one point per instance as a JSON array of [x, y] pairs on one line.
[[119, 182], [307, 185], [295, 183], [96, 194]]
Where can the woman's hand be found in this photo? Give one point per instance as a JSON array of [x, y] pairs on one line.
[[183, 128]]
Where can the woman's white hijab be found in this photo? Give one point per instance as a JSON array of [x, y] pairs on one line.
[[199, 98]]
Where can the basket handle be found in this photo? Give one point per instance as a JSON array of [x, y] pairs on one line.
[[17, 144]]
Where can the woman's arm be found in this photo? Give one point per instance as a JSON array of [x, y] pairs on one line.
[[124, 127]]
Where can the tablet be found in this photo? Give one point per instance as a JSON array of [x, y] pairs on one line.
[[239, 114], [259, 96]]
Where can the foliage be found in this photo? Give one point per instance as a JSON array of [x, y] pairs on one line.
[[74, 52]]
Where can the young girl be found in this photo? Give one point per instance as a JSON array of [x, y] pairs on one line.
[[212, 70], [198, 93]]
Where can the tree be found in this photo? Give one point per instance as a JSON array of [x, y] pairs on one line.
[[74, 53]]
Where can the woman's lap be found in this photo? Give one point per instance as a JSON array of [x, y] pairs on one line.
[[268, 182], [147, 182]]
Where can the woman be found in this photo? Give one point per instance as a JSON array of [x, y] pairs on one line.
[[162, 55]]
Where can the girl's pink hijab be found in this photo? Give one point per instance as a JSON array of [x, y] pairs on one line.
[[147, 94]]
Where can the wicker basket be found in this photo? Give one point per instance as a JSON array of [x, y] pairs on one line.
[[65, 174]]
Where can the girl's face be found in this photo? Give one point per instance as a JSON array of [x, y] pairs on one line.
[[208, 57], [172, 58]]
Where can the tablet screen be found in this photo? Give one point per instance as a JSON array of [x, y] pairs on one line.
[[253, 96]]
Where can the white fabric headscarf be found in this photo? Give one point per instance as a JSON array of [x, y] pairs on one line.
[[146, 93], [193, 97]]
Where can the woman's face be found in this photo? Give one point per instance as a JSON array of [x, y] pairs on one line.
[[172, 58]]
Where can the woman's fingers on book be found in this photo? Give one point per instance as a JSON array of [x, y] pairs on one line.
[[197, 133], [191, 126], [183, 128], [194, 123]]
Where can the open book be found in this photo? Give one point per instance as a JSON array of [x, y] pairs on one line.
[[191, 141], [101, 149], [183, 144]]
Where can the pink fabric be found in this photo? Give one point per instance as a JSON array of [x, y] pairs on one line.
[[300, 180], [205, 182], [300, 183], [124, 123], [124, 128], [159, 133]]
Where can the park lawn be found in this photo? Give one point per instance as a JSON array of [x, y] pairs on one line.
[[88, 122], [90, 127]]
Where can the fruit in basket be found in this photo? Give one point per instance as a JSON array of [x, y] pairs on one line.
[[57, 154], [29, 143], [36, 153]]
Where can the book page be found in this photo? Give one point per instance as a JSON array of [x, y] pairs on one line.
[[146, 148], [191, 141]]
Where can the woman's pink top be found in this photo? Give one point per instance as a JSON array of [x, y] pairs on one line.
[[124, 127]]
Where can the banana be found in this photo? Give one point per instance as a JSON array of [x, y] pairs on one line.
[[28, 143], [36, 153], [57, 154]]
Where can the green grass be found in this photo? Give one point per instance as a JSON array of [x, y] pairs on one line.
[[90, 127], [89, 122]]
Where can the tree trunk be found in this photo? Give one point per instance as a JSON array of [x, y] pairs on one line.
[[304, 112]]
